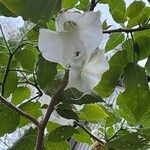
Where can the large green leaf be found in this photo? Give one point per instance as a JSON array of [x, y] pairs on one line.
[[68, 114], [11, 84], [4, 11], [92, 113], [3, 59], [46, 73], [83, 5], [32, 108], [128, 47], [74, 96], [132, 141], [144, 46], [63, 145], [9, 120], [117, 9], [117, 4], [135, 8], [69, 3], [110, 78], [20, 94], [114, 40], [34, 10], [27, 57], [82, 136], [134, 102], [118, 16], [27, 141], [61, 134]]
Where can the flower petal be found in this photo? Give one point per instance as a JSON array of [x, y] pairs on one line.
[[90, 30], [52, 45], [94, 69], [59, 47], [66, 16], [76, 81], [86, 78]]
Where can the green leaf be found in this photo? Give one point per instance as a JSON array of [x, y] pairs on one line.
[[61, 134], [132, 141], [51, 25], [145, 33], [47, 8], [147, 66], [83, 5], [46, 73], [117, 4], [145, 120], [114, 40], [68, 3], [92, 113], [20, 94], [27, 57], [66, 113], [111, 120], [4, 11], [11, 84], [128, 47], [64, 145], [82, 136], [9, 120], [74, 96], [144, 47], [32, 108], [51, 126], [104, 1], [146, 10], [3, 59], [134, 102], [135, 8], [27, 141], [105, 26], [118, 16], [110, 78]]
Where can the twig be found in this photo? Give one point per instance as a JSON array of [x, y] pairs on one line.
[[19, 44], [126, 30], [34, 85], [93, 4], [89, 133], [6, 74], [115, 134], [7, 45], [54, 101], [18, 70], [37, 96], [19, 111]]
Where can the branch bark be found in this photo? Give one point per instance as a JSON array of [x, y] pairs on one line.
[[125, 30], [19, 111], [93, 4], [51, 107]]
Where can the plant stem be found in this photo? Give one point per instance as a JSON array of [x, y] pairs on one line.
[[54, 101], [6, 74], [125, 30], [7, 45], [89, 133], [19, 111], [93, 4]]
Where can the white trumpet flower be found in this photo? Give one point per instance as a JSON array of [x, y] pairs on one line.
[[75, 33], [85, 74]]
